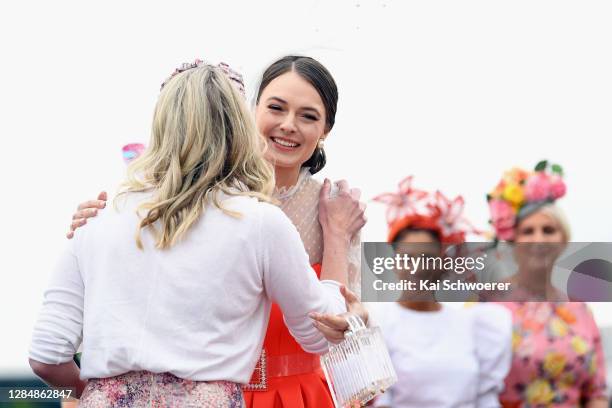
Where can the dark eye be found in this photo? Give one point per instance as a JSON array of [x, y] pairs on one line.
[[548, 230], [310, 117], [275, 107], [527, 231]]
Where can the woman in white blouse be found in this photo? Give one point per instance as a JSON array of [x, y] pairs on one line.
[[444, 356], [170, 293]]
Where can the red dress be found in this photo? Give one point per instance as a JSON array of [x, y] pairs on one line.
[[294, 378]]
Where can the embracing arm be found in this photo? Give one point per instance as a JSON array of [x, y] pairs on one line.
[[290, 281], [59, 328]]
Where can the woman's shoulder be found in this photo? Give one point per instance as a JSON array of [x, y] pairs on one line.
[[272, 218], [248, 208], [488, 311], [492, 334], [491, 320]]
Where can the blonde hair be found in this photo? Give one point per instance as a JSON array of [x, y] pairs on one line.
[[554, 212], [203, 142]]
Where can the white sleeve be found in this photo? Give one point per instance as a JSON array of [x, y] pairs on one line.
[[493, 332], [59, 329], [290, 281]]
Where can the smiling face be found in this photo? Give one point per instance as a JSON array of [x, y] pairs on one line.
[[539, 240], [290, 116], [539, 227]]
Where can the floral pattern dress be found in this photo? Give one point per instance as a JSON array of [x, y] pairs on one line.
[[557, 356], [143, 389]]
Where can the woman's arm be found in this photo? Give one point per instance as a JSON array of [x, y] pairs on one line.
[[64, 375], [290, 282], [332, 326], [341, 217], [59, 328]]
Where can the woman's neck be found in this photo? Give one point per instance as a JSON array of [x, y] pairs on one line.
[[286, 176], [421, 306], [537, 282]]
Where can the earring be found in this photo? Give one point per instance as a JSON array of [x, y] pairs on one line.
[[321, 144]]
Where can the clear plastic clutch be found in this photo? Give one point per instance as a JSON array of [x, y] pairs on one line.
[[359, 368]]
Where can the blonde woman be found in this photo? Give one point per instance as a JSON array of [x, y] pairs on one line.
[[295, 112], [169, 293]]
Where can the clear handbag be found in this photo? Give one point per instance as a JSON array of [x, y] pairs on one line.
[[359, 368]]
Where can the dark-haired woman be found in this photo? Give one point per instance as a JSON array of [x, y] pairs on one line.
[[444, 356], [295, 111]]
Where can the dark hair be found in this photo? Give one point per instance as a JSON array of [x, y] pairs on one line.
[[435, 235], [319, 77]]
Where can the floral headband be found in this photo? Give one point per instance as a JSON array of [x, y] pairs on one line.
[[234, 76], [520, 193], [133, 150], [412, 208]]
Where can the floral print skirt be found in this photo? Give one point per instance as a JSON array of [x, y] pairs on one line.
[[145, 389]]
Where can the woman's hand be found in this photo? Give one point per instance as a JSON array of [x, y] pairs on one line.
[[334, 326], [60, 375], [342, 215], [86, 210]]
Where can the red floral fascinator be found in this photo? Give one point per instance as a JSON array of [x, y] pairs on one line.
[[412, 208]]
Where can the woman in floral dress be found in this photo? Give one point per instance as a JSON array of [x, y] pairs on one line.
[[557, 353]]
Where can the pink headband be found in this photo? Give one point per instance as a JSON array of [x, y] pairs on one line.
[[234, 76]]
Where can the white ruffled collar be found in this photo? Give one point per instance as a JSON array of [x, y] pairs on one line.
[[284, 193]]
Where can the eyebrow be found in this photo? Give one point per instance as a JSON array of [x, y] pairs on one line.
[[281, 100], [277, 99]]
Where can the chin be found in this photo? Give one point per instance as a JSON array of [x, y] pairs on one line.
[[282, 162]]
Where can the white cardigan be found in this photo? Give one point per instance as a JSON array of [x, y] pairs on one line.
[[198, 310]]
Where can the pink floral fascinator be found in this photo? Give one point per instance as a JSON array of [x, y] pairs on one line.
[[520, 193]]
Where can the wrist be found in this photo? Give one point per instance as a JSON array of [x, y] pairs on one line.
[[336, 237]]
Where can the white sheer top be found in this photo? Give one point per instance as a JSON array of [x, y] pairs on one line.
[[301, 204]]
